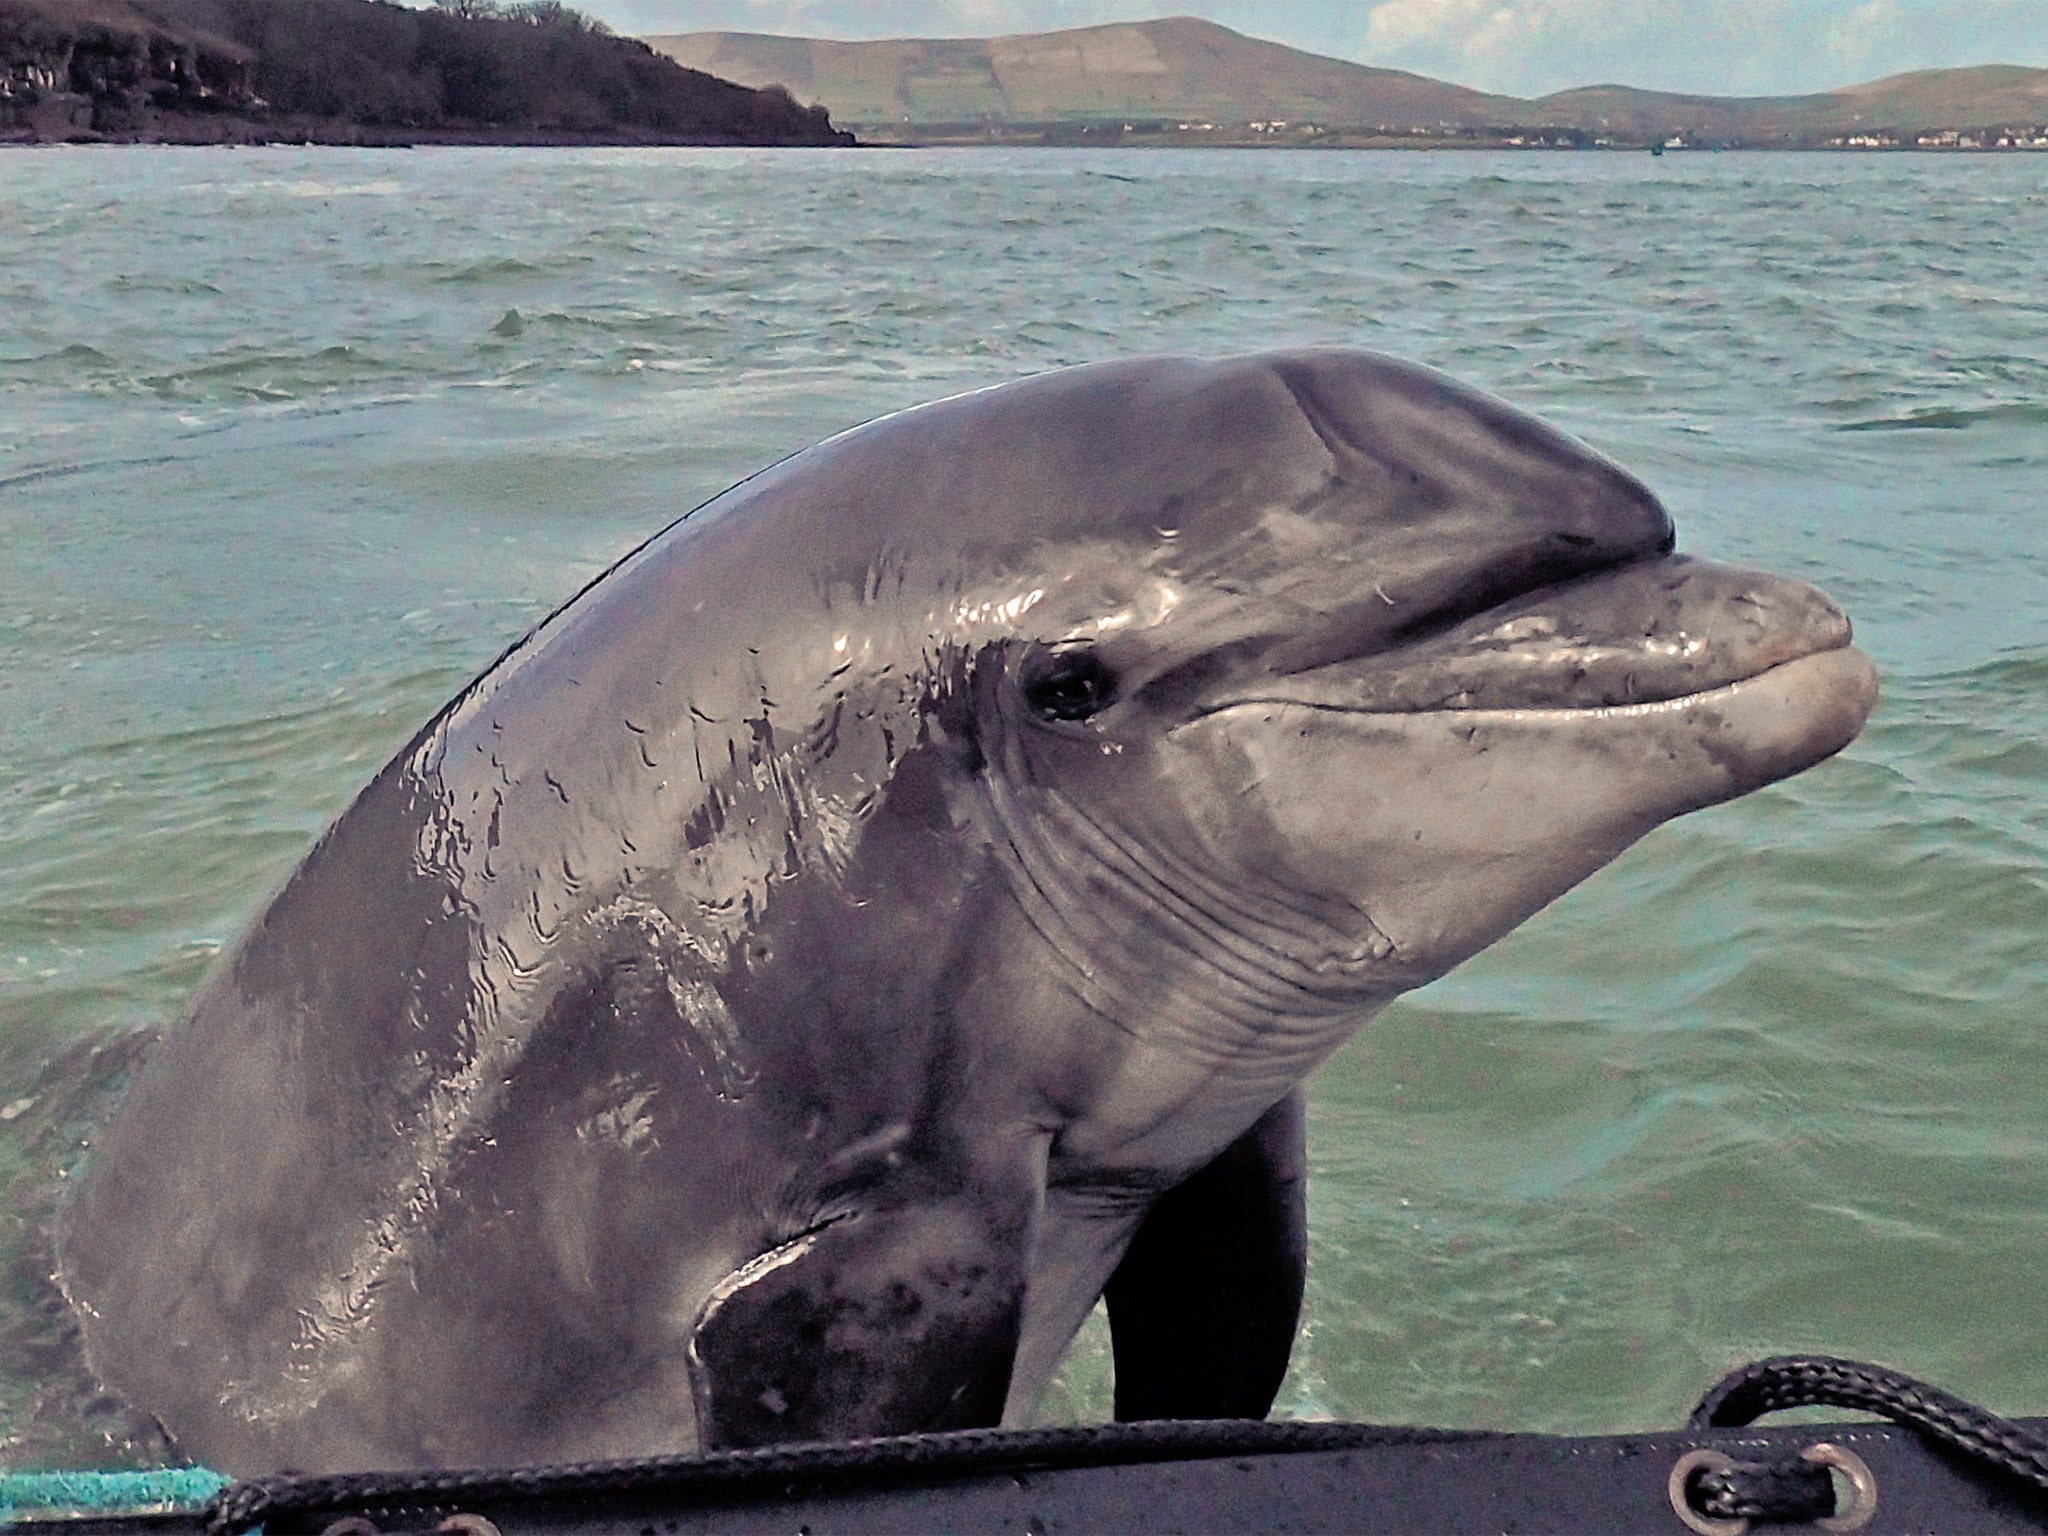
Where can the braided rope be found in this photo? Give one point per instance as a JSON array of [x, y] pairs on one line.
[[1782, 1492], [1804, 1381], [247, 1505]]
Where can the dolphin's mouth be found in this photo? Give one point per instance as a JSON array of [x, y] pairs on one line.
[[1645, 633]]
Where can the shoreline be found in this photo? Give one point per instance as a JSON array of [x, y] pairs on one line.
[[421, 139], [372, 138]]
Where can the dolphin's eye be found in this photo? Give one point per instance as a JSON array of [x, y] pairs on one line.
[[1068, 683]]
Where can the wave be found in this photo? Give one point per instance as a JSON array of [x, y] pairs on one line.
[[78, 357], [2023, 672], [506, 267], [125, 283], [1943, 418]]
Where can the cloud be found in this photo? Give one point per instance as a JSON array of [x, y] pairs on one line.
[[1721, 47]]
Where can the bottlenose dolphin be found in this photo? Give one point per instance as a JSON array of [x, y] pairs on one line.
[[901, 901]]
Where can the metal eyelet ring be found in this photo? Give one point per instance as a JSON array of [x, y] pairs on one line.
[[466, 1525], [1701, 1460], [1855, 1511]]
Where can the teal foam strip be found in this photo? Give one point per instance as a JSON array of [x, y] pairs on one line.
[[51, 1495]]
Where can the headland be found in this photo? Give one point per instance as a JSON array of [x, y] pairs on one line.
[[363, 72]]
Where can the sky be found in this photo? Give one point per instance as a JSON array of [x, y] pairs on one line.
[[1518, 47]]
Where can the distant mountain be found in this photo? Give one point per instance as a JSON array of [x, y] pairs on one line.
[[1179, 68], [1987, 96], [1195, 81], [362, 71]]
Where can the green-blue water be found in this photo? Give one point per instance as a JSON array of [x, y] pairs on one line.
[[293, 442]]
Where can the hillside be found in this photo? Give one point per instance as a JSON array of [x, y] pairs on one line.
[[361, 72], [1944, 98], [1987, 96], [1179, 68], [1186, 80]]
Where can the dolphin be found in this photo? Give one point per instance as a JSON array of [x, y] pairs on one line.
[[898, 905]]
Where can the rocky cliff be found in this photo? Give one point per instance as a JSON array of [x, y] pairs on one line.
[[362, 72]]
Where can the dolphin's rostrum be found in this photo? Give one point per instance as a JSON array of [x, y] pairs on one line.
[[902, 899]]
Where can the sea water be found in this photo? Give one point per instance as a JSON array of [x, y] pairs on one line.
[[293, 442]]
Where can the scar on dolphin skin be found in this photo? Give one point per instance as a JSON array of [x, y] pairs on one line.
[[901, 902]]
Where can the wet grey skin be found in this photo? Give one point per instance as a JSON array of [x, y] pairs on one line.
[[903, 899]]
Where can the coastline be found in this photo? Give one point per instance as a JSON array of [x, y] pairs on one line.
[[446, 138], [369, 136]]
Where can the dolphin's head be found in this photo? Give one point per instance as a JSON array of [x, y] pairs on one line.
[[1266, 688], [1291, 681]]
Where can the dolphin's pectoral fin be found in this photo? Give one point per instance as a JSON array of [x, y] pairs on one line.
[[878, 1323], [1203, 1308]]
